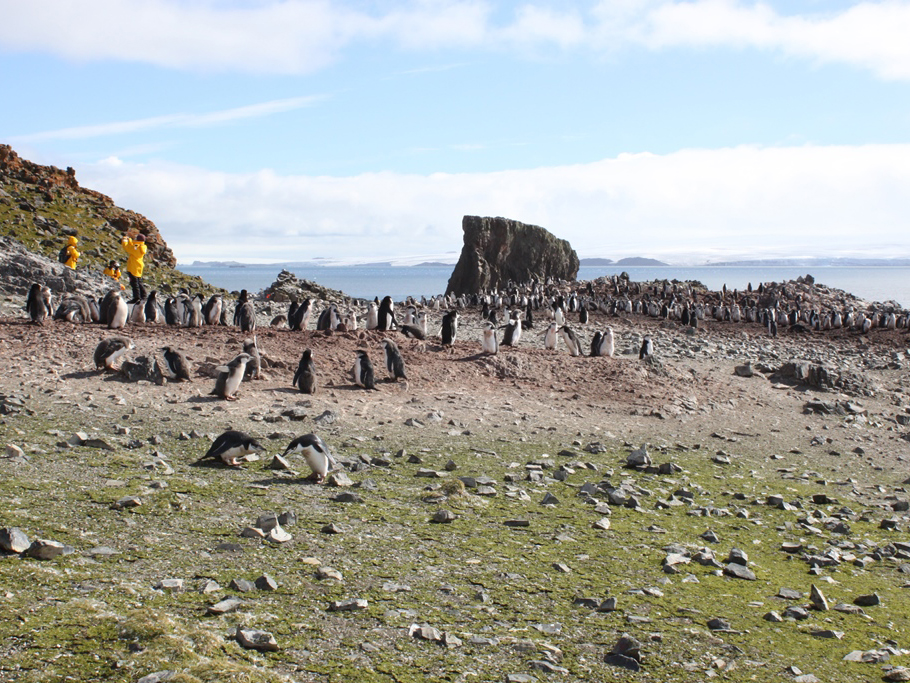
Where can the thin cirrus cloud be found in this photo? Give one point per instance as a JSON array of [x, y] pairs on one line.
[[746, 202], [301, 36], [214, 118]]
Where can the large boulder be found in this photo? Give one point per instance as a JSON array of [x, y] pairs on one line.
[[497, 251]]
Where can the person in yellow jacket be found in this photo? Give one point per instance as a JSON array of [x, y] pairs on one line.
[[72, 254], [135, 249], [113, 271]]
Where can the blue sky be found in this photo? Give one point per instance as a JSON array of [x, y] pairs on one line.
[[258, 131]]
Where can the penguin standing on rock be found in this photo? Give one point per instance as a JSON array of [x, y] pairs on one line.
[[211, 312], [363, 371], [152, 312], [246, 317], [118, 312], [315, 453], [489, 343], [228, 383], [305, 377], [647, 348], [38, 304], [254, 366], [449, 328], [109, 350], [393, 361], [550, 337], [232, 447], [571, 340], [177, 363], [386, 314]]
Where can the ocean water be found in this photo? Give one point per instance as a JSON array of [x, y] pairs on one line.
[[399, 282]]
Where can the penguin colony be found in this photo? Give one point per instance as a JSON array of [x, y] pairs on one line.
[[774, 308]]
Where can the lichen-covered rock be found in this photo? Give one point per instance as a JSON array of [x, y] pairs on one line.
[[497, 251]]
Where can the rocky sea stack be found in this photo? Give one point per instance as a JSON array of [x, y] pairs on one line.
[[499, 250]]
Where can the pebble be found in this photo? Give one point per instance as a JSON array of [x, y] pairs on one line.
[[256, 640], [224, 606]]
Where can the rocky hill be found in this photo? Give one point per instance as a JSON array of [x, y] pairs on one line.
[[40, 206]]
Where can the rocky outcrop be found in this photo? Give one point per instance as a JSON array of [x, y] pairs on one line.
[[19, 268], [288, 287], [497, 251], [40, 205]]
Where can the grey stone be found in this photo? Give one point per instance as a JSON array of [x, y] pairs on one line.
[[328, 573], [443, 517], [225, 606], [818, 599], [256, 640], [351, 605], [424, 632], [738, 571], [43, 549], [14, 540], [242, 585], [171, 585], [266, 583], [867, 600]]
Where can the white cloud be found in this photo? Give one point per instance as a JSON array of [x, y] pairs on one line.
[[692, 204], [171, 121], [300, 36]]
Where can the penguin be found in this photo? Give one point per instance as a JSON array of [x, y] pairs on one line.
[[109, 350], [93, 307], [278, 321], [177, 363], [583, 315], [449, 327], [512, 333], [595, 344], [607, 344], [137, 313], [394, 363], [232, 447], [73, 309], [363, 371], [305, 377], [528, 322], [299, 317], [647, 348], [412, 331], [372, 316], [38, 303], [241, 300], [386, 316], [489, 343], [171, 314], [228, 382], [315, 453], [571, 340], [349, 321], [152, 312], [194, 312], [421, 322], [118, 312], [551, 339], [211, 312], [254, 366], [246, 317]]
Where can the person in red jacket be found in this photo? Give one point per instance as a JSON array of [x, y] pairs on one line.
[[135, 249]]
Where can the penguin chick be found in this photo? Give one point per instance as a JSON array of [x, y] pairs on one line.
[[38, 303], [393, 361], [305, 377], [228, 382], [551, 339], [232, 447], [254, 367], [489, 342], [109, 350], [315, 453], [177, 363], [363, 371]]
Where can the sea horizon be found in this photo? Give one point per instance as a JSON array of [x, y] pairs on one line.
[[874, 284]]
